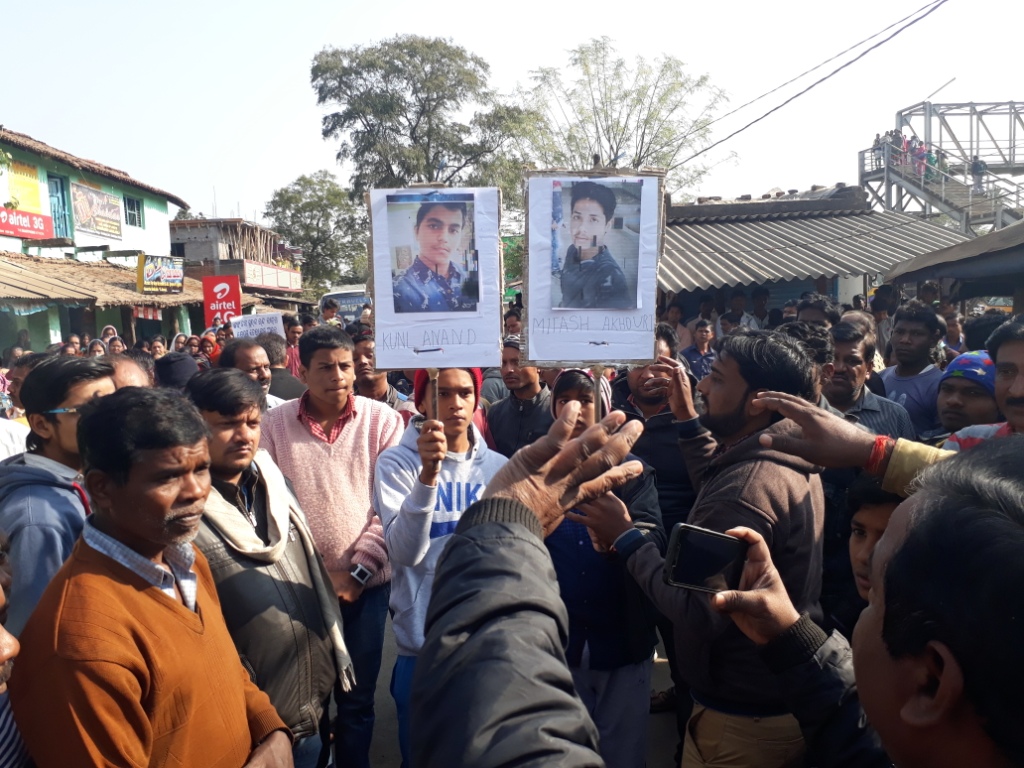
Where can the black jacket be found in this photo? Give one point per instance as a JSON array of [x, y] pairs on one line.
[[658, 446], [515, 423], [607, 609], [284, 385], [816, 672], [491, 686]]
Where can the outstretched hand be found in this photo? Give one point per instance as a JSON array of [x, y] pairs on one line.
[[825, 439], [555, 473], [761, 607]]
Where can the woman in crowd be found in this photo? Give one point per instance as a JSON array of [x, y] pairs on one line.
[[108, 333], [158, 346], [96, 348], [192, 345], [116, 345], [178, 345]]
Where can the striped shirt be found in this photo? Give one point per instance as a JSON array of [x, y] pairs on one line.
[[970, 437], [13, 753], [881, 416], [178, 559]]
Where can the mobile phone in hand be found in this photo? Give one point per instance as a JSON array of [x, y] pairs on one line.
[[704, 560]]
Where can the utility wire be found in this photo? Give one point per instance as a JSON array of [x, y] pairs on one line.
[[816, 83], [822, 64]]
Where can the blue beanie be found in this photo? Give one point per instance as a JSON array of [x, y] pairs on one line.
[[976, 366]]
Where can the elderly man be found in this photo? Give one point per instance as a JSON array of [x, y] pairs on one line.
[[129, 637]]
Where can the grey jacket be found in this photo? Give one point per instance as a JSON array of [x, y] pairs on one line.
[[272, 600], [491, 686]]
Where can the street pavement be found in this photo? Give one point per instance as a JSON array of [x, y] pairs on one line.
[[661, 735]]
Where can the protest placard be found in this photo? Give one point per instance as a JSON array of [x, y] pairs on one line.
[[248, 326], [437, 277], [593, 243]]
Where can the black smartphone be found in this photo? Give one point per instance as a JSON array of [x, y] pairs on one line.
[[704, 560]]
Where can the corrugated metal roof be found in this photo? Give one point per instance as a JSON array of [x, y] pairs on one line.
[[716, 251]]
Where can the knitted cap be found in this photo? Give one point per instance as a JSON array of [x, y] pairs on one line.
[[419, 384], [174, 369], [514, 340], [976, 366]]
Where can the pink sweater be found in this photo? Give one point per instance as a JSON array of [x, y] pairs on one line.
[[334, 482]]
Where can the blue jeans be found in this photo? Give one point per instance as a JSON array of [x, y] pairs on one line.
[[306, 751], [401, 692], [364, 635]]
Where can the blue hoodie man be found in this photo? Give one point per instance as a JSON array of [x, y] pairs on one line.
[[42, 505], [421, 488]]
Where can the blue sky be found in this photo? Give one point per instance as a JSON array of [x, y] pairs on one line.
[[193, 97]]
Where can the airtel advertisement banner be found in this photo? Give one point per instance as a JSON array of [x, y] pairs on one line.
[[222, 298]]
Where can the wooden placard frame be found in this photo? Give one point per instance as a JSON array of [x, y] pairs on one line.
[[602, 173]]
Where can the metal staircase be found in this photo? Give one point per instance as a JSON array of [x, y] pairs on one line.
[[955, 133]]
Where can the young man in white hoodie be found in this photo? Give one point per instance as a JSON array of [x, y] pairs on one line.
[[421, 488]]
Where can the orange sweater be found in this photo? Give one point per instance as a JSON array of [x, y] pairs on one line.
[[115, 673]]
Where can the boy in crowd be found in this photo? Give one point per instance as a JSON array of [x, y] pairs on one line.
[[611, 623], [967, 394], [421, 488], [327, 443], [913, 381]]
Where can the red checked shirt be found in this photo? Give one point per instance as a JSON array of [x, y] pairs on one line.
[[314, 426]]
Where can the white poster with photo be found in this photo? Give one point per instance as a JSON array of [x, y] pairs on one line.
[[592, 268], [437, 277]]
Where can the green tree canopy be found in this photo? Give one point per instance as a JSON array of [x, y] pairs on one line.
[[649, 114], [317, 214], [416, 109]]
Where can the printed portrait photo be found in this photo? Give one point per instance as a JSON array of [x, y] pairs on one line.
[[595, 244], [432, 246]]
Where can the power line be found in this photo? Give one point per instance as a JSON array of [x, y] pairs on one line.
[[935, 6], [822, 64]]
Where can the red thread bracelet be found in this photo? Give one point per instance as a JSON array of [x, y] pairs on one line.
[[878, 453]]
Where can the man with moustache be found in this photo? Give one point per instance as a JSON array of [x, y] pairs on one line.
[[270, 579], [251, 359], [128, 660], [846, 389], [433, 283], [739, 482]]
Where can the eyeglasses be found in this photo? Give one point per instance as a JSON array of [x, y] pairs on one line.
[[62, 410]]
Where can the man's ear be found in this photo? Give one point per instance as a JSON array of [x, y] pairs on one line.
[[752, 408], [828, 370], [42, 426], [101, 488], [937, 686]]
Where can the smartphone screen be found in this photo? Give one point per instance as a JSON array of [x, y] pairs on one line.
[[705, 560]]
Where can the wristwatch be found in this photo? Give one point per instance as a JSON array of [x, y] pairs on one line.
[[361, 573]]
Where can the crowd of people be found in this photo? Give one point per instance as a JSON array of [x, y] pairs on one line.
[[203, 542]]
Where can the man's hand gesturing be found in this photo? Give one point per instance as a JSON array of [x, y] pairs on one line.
[[555, 473]]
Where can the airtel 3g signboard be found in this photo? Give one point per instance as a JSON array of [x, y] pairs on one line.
[[222, 298]]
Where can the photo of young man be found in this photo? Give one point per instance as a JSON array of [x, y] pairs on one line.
[[601, 261], [435, 270]]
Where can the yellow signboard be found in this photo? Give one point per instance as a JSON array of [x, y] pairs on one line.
[[23, 186]]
